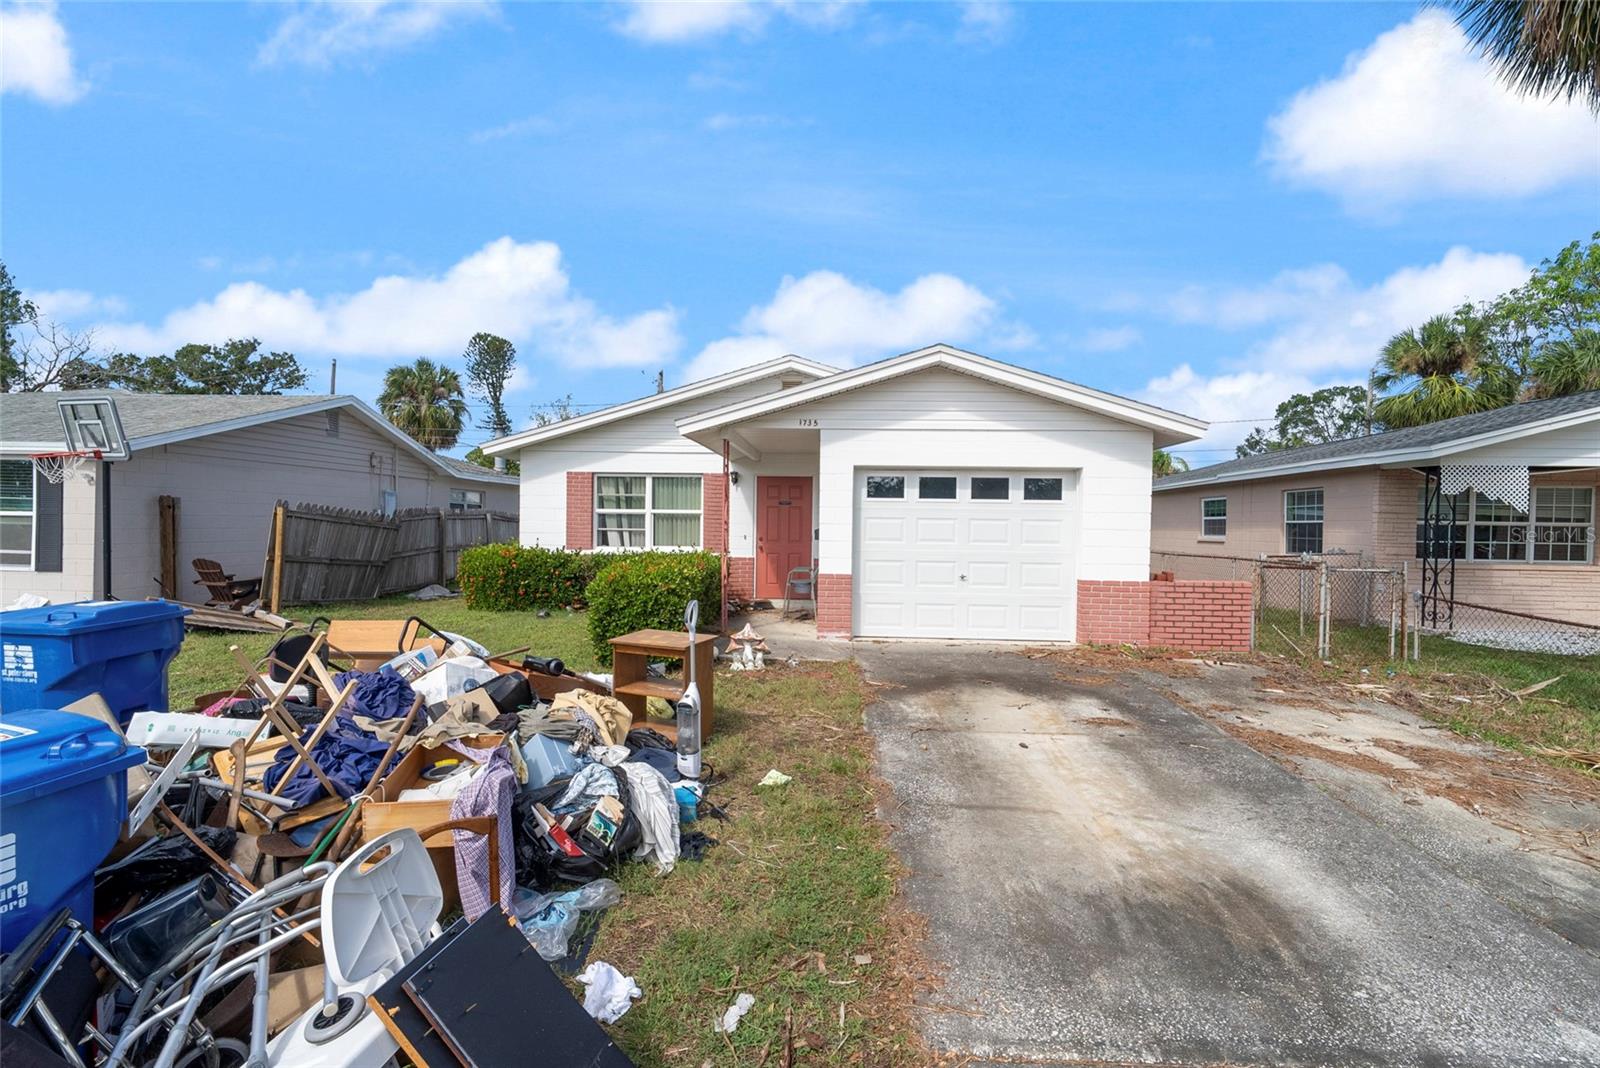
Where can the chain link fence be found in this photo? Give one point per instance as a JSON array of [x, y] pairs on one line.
[[1501, 628]]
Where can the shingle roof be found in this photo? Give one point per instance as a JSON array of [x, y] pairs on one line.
[[472, 470], [32, 417], [1351, 451]]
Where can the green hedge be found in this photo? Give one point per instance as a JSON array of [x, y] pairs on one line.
[[634, 591], [516, 578]]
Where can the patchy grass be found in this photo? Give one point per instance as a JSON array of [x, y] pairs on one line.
[[204, 665], [801, 885]]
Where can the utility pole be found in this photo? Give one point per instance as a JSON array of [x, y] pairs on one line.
[[333, 375], [1369, 404], [661, 381]]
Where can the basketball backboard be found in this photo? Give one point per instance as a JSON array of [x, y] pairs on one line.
[[91, 424]]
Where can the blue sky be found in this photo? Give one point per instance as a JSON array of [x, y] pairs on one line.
[[1204, 206]]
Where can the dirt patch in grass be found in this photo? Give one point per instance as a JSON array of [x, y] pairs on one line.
[[798, 905]]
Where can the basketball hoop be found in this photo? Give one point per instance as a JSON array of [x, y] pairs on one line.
[[57, 467]]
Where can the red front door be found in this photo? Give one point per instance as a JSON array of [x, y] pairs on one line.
[[783, 531]]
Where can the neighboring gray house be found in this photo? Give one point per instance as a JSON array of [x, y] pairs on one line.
[[228, 460]]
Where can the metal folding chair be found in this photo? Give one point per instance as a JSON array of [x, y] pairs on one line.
[[800, 584]]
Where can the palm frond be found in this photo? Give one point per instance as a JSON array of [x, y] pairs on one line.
[[1543, 48]]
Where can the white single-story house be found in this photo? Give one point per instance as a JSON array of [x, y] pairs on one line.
[[940, 494], [228, 460], [1512, 495]]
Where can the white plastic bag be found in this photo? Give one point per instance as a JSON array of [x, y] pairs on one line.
[[609, 993], [730, 1019]]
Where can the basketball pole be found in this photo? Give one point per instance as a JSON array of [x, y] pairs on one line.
[[105, 529]]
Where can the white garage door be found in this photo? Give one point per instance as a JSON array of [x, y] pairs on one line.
[[966, 554]]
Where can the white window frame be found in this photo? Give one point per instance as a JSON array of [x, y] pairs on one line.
[[1529, 529], [33, 518], [1204, 519], [1321, 523], [649, 511], [465, 504]]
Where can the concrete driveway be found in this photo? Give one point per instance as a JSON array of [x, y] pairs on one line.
[[1110, 878]]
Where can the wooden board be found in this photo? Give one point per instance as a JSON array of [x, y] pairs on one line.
[[401, 1017]]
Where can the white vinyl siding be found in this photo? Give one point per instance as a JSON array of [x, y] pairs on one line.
[[16, 515], [647, 511]]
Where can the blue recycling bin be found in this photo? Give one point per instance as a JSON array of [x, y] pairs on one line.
[[54, 655], [63, 799]]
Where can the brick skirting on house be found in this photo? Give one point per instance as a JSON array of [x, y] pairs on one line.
[[1182, 615], [741, 578], [833, 606], [580, 509]]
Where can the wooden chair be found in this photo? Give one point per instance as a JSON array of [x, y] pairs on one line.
[[222, 587]]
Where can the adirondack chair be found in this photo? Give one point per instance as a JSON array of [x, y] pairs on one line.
[[222, 588]]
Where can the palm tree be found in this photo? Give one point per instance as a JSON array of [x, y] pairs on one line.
[[424, 399], [1541, 47], [1164, 463], [1567, 365], [1446, 368]]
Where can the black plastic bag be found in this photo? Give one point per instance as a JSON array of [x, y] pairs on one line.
[[541, 865], [159, 865]]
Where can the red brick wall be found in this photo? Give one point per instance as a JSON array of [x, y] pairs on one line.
[[833, 605], [715, 512], [1111, 612], [741, 578], [1200, 615], [580, 509], [1182, 615]]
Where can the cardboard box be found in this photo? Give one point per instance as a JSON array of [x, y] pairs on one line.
[[384, 813]]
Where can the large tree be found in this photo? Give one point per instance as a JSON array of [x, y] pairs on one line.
[[424, 399], [1330, 414], [490, 361], [1546, 48], [236, 367], [1444, 368], [1567, 365], [1545, 329]]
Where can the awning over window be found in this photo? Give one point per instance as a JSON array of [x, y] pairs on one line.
[[1507, 483]]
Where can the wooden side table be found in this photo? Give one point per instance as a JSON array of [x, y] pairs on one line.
[[630, 658]]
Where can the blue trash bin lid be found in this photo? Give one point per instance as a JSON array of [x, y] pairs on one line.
[[43, 751], [61, 620]]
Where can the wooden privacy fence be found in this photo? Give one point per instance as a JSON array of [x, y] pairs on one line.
[[317, 553]]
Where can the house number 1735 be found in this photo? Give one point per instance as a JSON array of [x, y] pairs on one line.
[[807, 422]]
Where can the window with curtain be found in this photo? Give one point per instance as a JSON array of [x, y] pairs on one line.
[[1302, 521], [647, 511], [16, 514]]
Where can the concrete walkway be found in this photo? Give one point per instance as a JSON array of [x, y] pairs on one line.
[[1109, 878]]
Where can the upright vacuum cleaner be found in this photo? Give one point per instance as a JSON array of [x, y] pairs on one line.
[[689, 704]]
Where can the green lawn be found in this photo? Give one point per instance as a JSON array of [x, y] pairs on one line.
[[801, 886], [204, 664]]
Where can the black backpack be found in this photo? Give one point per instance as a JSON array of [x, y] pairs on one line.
[[541, 865]]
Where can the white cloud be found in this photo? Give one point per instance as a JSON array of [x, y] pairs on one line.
[[1322, 329], [724, 121], [825, 316], [532, 124], [35, 57], [1325, 321], [317, 33], [986, 21], [73, 303], [684, 21], [516, 289], [1110, 339], [1417, 115]]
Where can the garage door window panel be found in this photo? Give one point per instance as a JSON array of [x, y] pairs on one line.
[[1041, 489], [990, 489], [886, 487], [936, 488]]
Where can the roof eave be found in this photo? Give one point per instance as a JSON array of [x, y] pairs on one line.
[[511, 443]]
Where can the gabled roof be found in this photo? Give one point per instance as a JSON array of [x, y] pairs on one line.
[[1411, 445], [1169, 427], [31, 422], [705, 387]]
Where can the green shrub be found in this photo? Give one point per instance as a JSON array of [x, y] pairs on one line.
[[515, 578], [636, 591]]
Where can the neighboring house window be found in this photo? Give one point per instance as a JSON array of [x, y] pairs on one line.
[[1563, 523], [1561, 529], [647, 511], [465, 500], [1302, 521], [1447, 542], [1214, 517], [16, 514]]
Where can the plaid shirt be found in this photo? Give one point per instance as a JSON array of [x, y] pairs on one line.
[[490, 792]]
